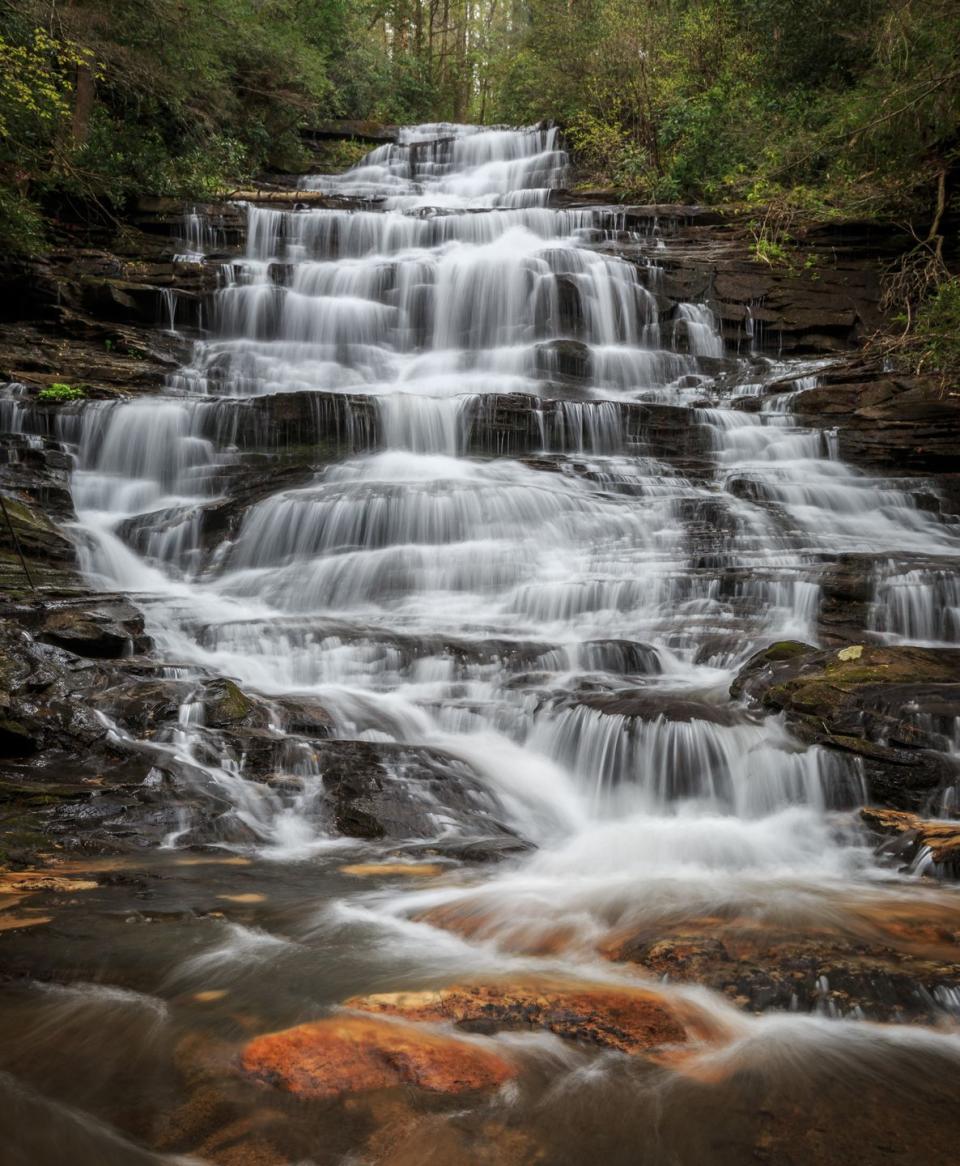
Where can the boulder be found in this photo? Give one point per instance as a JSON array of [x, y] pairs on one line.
[[629, 1020], [104, 630], [406, 792], [864, 700], [226, 705], [356, 1054]]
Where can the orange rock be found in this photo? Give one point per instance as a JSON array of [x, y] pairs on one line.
[[631, 1020], [942, 839], [33, 881], [351, 1054], [421, 870], [16, 922]]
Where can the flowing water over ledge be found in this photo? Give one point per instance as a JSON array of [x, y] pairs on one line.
[[528, 546]]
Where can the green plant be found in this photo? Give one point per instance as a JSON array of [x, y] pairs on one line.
[[61, 392], [773, 252], [937, 328]]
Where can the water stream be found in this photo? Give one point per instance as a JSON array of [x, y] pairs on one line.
[[543, 545]]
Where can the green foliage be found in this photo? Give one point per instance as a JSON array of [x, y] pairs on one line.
[[21, 224], [60, 392], [937, 331], [800, 111], [101, 100], [856, 102]]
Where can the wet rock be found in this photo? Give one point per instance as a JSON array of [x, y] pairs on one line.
[[37, 471], [321, 425], [485, 849], [517, 424], [209, 525], [923, 844], [142, 704], [567, 358], [625, 1019], [49, 553], [304, 715], [98, 630], [357, 1054], [39, 690], [847, 587], [891, 707], [760, 965], [226, 705], [399, 792], [646, 705], [910, 424]]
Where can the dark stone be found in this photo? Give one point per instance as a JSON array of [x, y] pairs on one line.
[[396, 791], [863, 700], [99, 630]]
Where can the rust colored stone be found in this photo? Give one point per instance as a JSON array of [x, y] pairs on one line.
[[354, 1054], [942, 839], [631, 1020]]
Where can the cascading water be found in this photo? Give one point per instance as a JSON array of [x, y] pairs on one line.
[[519, 539], [463, 289]]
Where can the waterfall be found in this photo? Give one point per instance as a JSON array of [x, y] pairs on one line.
[[489, 492]]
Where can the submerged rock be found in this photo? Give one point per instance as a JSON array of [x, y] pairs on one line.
[[353, 1054], [629, 1020]]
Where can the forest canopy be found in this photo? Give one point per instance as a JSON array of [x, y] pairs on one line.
[[840, 106]]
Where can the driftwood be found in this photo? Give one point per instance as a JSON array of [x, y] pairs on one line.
[[287, 197]]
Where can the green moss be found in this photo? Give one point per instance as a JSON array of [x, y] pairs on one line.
[[786, 650], [226, 703], [24, 515]]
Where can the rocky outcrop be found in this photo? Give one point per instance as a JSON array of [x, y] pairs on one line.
[[86, 719], [919, 843], [891, 971], [35, 550], [889, 707], [515, 424], [99, 630], [900, 423], [98, 318], [820, 297]]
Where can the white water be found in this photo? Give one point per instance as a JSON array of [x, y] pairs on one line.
[[475, 604]]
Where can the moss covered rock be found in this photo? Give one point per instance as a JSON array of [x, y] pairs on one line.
[[892, 707]]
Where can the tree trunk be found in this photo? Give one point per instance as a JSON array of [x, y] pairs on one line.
[[83, 104]]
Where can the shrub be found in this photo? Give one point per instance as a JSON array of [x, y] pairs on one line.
[[937, 330], [61, 392]]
